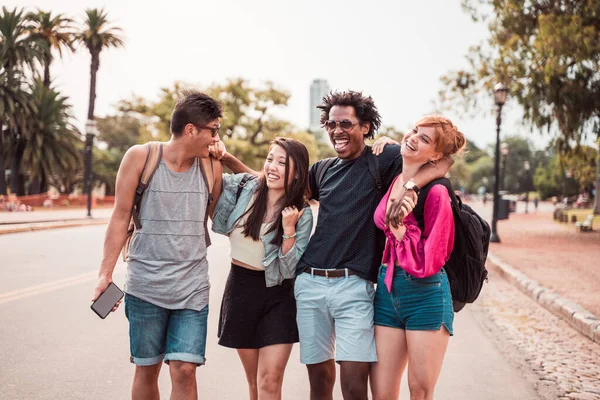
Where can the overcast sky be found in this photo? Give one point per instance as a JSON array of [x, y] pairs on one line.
[[395, 51]]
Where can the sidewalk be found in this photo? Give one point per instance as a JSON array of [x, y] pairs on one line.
[[15, 222], [554, 255]]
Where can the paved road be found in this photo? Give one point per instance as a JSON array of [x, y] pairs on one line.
[[52, 346]]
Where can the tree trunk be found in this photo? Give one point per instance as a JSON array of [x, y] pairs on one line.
[[17, 181], [47, 63], [597, 197], [44, 183], [34, 186], [93, 71], [2, 162]]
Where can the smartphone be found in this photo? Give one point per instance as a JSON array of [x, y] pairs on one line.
[[107, 300]]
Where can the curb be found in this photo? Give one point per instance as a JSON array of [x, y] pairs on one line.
[[41, 226], [578, 317]]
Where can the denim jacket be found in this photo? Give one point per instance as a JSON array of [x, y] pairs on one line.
[[227, 213]]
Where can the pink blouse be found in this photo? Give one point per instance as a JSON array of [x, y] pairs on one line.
[[419, 253]]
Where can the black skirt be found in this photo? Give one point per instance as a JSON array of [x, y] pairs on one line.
[[254, 315]]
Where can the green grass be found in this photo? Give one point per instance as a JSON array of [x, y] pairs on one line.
[[582, 215]]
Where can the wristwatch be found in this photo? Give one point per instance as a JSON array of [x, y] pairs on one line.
[[411, 185]]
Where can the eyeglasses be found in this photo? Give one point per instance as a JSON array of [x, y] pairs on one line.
[[344, 125], [214, 129]]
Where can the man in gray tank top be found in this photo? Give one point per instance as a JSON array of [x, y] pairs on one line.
[[167, 285]]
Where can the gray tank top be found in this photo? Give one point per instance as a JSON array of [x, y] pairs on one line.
[[166, 263]]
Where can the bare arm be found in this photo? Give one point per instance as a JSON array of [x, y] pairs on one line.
[[236, 166], [430, 172], [114, 239], [217, 188], [426, 174]]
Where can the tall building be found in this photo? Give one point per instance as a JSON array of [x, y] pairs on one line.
[[318, 89]]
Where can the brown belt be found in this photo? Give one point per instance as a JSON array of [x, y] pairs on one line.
[[332, 273]]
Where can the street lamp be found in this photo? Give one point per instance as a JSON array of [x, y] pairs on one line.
[[90, 131], [527, 180], [500, 95], [504, 151]]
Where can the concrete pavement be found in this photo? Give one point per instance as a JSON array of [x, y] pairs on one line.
[[54, 346]]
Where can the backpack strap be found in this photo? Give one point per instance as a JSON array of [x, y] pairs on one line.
[[322, 169], [150, 166], [373, 162], [245, 179], [419, 210]]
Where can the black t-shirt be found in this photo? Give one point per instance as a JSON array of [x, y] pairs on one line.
[[346, 236]]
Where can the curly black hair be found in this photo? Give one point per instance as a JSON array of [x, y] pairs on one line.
[[364, 108]]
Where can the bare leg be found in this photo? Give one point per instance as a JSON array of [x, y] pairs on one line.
[[322, 379], [426, 350], [249, 358], [145, 382], [393, 356], [183, 379], [354, 378], [271, 367]]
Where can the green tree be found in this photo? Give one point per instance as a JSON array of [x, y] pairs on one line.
[[51, 141], [97, 35], [481, 174], [17, 52], [51, 33], [548, 53], [15, 109]]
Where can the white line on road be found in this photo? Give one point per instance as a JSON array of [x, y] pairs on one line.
[[47, 287]]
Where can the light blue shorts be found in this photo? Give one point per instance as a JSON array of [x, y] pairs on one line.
[[157, 334], [335, 318]]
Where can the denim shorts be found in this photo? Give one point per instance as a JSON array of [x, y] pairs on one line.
[[335, 318], [414, 304], [157, 334]]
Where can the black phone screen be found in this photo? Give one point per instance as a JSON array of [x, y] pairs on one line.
[[107, 300]]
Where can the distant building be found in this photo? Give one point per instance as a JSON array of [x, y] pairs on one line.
[[318, 89]]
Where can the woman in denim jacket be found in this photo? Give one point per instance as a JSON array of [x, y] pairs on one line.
[[268, 224]]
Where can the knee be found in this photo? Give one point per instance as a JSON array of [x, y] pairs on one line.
[[322, 379], [147, 374], [418, 391], [270, 382], [182, 371]]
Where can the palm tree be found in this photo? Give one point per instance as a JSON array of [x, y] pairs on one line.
[[51, 33], [52, 142], [17, 49], [15, 109], [17, 52], [97, 35]]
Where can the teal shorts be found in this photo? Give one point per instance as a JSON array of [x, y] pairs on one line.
[[414, 304]]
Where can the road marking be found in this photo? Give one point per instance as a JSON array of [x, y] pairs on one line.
[[47, 287]]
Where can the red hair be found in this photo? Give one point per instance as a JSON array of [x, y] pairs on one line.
[[449, 139]]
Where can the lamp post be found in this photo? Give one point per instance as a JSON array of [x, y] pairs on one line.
[[90, 131], [500, 95], [504, 152], [527, 180]]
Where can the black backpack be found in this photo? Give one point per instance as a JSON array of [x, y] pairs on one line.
[[466, 266], [372, 160]]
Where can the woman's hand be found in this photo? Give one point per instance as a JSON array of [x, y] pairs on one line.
[[380, 144], [290, 215], [217, 150], [400, 208]]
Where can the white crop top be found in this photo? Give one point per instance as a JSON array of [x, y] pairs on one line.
[[245, 249]]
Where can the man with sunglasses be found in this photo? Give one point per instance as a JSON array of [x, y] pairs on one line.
[[334, 287], [167, 286]]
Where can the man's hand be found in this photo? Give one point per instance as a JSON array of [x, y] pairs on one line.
[[101, 286], [218, 150], [400, 207], [380, 144]]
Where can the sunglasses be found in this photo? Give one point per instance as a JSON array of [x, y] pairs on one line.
[[345, 125], [214, 129]]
